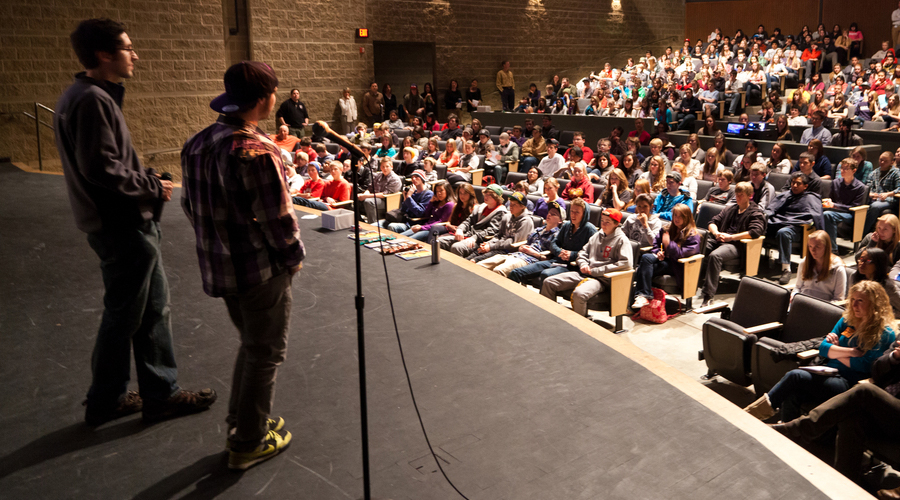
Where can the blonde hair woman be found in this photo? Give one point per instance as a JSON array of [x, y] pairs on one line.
[[821, 274], [860, 337]]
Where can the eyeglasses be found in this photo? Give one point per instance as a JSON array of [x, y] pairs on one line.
[[128, 49], [863, 261]]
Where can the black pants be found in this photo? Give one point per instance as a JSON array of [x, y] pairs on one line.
[[508, 98]]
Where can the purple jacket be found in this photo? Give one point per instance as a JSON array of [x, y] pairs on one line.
[[674, 251], [434, 216]]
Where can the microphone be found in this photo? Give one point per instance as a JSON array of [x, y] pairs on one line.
[[322, 128]]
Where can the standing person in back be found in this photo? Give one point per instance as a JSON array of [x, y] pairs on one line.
[[293, 113], [249, 248], [118, 202], [506, 84]]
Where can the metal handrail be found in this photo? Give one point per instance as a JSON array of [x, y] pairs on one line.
[[37, 126]]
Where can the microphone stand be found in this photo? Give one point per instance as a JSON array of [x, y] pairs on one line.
[[355, 158]]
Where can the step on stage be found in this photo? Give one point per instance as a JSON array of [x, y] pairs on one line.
[[521, 398]]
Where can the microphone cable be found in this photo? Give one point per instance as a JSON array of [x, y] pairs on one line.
[[412, 395]]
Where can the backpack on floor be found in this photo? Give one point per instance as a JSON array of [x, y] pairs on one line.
[[487, 180], [656, 311]]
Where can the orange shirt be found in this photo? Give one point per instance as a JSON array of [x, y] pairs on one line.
[[287, 144]]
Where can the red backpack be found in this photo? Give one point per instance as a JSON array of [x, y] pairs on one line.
[[655, 311]]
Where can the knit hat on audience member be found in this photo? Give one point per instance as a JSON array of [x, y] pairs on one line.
[[419, 173], [613, 214], [555, 205], [674, 175], [496, 190], [484, 132], [517, 197], [245, 83]]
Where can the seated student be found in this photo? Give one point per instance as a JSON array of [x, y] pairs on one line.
[[533, 181], [710, 169], [500, 158], [780, 161], [639, 133], [856, 341], [645, 225], [631, 168], [680, 240], [656, 149], [534, 149], [428, 167], [415, 202], [437, 211], [874, 264], [431, 150], [692, 166], [452, 130], [763, 192], [655, 174], [305, 145], [883, 184], [671, 196], [383, 183], [551, 190], [482, 225], [722, 192], [821, 164], [312, 188], [604, 145], [409, 164], [450, 156], [522, 187], [863, 413], [786, 213], [541, 240], [573, 235], [607, 251], [465, 206], [360, 134], [805, 165], [364, 175], [386, 148], [553, 162], [284, 140], [846, 192], [616, 195], [394, 120], [295, 181], [515, 226], [322, 154], [601, 173], [740, 220], [817, 131], [687, 182], [579, 185], [821, 274], [335, 191], [468, 162], [886, 237], [864, 167]]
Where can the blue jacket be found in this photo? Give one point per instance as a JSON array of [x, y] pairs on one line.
[[414, 206], [665, 202], [860, 367], [788, 209]]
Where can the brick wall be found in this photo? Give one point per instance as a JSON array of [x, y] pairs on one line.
[[185, 46]]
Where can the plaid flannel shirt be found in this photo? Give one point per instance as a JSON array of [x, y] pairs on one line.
[[236, 197], [889, 182]]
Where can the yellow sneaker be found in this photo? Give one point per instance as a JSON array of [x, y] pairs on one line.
[[275, 442]]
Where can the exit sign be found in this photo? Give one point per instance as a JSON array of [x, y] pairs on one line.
[[362, 33]]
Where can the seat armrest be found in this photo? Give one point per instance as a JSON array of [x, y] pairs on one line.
[[765, 327], [692, 258], [518, 243], [342, 203], [718, 306], [808, 354], [859, 207], [545, 252], [753, 247], [619, 291]]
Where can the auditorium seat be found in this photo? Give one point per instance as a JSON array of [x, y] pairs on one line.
[[727, 341], [808, 318], [853, 230], [703, 188], [493, 129], [753, 246], [778, 181]]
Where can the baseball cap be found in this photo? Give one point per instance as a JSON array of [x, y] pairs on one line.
[[245, 83], [553, 142], [495, 189], [613, 214], [554, 205], [517, 197]]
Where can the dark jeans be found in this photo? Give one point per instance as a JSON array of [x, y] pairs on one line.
[[798, 387], [718, 255], [544, 269], [862, 413], [649, 267], [508, 98], [262, 316], [318, 205], [785, 236], [135, 316]]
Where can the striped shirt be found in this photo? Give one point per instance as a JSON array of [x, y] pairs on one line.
[[236, 197]]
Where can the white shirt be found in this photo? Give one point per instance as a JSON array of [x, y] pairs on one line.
[[549, 166]]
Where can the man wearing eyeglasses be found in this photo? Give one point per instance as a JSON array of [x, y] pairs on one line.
[[117, 202]]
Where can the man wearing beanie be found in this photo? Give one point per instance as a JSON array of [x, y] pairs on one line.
[[117, 202], [249, 247], [415, 202]]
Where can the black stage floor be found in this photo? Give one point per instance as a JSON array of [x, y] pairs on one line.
[[519, 401]]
